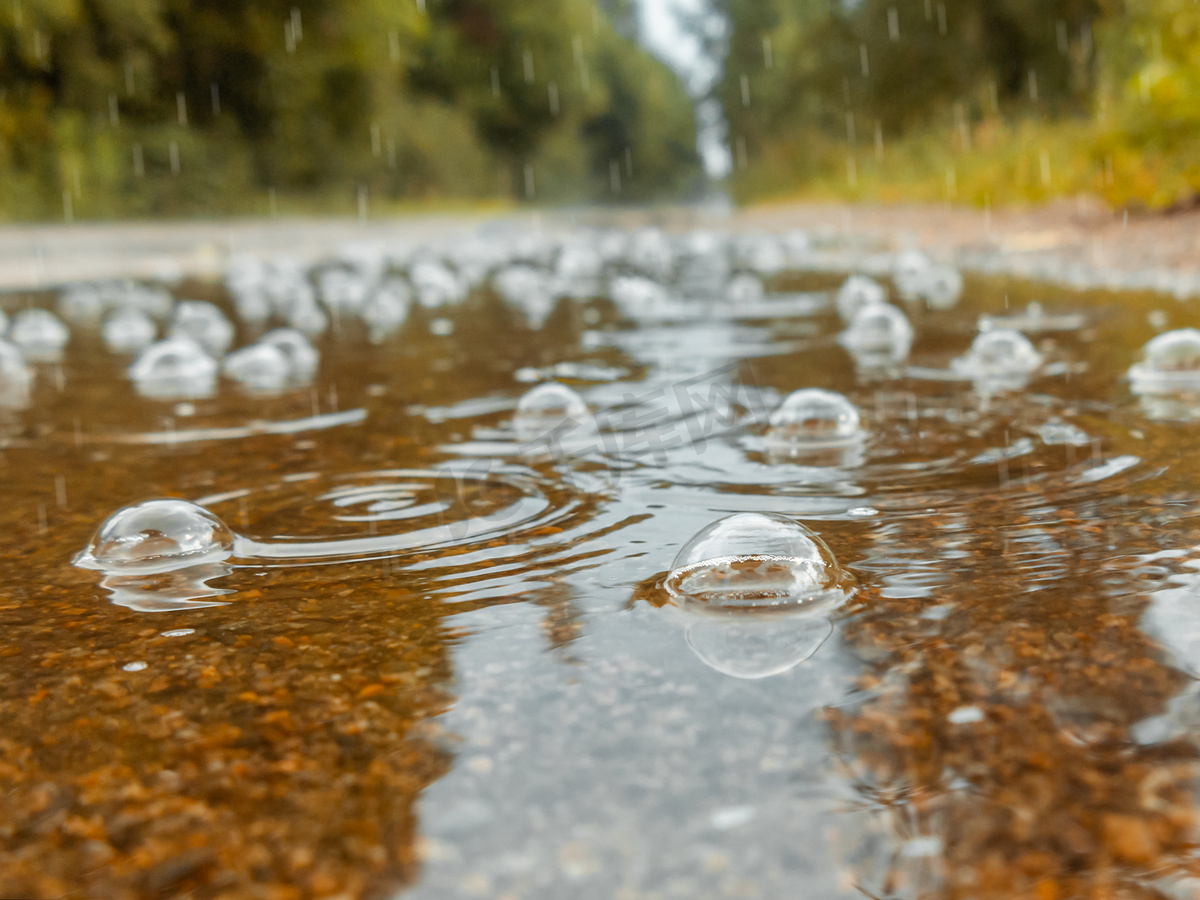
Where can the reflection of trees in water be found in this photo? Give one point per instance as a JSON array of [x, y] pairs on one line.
[[995, 741]]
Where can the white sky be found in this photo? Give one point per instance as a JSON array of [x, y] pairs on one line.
[[669, 41]]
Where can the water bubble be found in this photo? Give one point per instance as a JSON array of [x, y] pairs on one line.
[[174, 368], [856, 292], [261, 367], [813, 417], [745, 289], [1170, 364], [304, 313], [638, 297], [547, 407], [940, 287], [435, 284], [753, 560], [879, 333], [908, 273], [82, 303], [157, 536], [342, 291], [128, 330], [302, 357], [1000, 355], [204, 324], [39, 333], [386, 310], [14, 373]]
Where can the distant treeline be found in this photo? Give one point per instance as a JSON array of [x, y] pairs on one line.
[[167, 107], [987, 101]]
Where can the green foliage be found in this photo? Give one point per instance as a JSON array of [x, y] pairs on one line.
[[987, 101], [167, 107]]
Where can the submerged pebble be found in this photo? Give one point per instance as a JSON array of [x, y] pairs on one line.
[[750, 560], [157, 536]]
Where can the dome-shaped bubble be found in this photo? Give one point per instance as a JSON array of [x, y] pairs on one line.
[[815, 418], [157, 536], [15, 375], [128, 330], [879, 330], [999, 354], [305, 315], [547, 406], [940, 287], [251, 303], [435, 284], [908, 273], [757, 646], [856, 292], [204, 324], [172, 368], [302, 357], [342, 291], [745, 289], [39, 333], [261, 367], [753, 560], [385, 311], [1170, 363], [636, 296], [83, 304], [762, 253]]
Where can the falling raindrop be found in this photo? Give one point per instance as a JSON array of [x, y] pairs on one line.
[[157, 536]]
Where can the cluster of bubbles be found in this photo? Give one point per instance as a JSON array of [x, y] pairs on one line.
[[758, 590]]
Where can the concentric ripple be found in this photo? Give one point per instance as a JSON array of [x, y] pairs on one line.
[[316, 518]]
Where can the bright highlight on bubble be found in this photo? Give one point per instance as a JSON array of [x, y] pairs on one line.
[[1170, 364], [1002, 354]]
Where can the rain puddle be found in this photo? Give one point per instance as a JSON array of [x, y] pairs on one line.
[[599, 565]]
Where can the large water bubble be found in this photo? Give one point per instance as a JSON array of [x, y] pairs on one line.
[[259, 367], [157, 536], [548, 407], [174, 368], [812, 417], [1002, 356], [940, 287], [856, 292], [386, 310], [1170, 364], [40, 334], [204, 324], [878, 333], [753, 561]]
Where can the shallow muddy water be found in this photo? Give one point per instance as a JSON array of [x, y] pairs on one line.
[[443, 662]]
